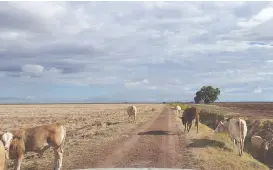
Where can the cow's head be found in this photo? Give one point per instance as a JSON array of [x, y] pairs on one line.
[[220, 127], [6, 138]]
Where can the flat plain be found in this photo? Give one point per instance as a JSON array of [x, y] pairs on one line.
[[89, 126], [102, 135]]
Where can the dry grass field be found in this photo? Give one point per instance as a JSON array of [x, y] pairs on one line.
[[93, 130], [89, 126], [259, 110]]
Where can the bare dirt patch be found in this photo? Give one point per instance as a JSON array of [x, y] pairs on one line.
[[89, 126]]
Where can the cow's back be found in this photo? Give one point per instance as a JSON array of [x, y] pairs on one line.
[[190, 113], [2, 156], [131, 109], [36, 137], [237, 128]]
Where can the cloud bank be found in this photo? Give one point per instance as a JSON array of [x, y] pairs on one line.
[[135, 51]]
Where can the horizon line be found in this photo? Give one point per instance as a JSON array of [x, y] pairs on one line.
[[163, 102]]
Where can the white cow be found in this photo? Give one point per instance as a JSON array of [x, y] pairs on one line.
[[259, 144], [237, 129], [132, 111], [178, 109]]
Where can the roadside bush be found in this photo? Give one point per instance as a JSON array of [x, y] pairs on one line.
[[209, 118], [183, 106]]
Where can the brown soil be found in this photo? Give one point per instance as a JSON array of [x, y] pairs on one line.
[[104, 136], [90, 127], [158, 143], [258, 110]]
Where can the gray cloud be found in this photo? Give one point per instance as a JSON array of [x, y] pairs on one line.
[[175, 46]]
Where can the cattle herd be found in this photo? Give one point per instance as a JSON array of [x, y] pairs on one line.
[[236, 128], [15, 143]]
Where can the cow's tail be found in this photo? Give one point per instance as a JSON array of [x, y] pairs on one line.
[[241, 134]]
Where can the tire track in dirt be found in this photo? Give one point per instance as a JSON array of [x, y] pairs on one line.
[[160, 145]]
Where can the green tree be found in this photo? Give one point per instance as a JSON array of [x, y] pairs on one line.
[[208, 94]]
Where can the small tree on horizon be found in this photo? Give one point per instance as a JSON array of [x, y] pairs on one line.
[[207, 94]]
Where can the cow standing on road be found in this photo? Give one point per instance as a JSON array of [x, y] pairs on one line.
[[237, 129], [188, 116]]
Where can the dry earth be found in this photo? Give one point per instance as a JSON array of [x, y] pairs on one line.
[[258, 110], [100, 135], [89, 126]]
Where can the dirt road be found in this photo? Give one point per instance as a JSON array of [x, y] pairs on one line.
[[158, 143]]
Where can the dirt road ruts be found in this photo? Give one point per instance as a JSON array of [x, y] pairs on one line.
[[159, 144]]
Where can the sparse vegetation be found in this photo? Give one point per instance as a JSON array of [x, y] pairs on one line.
[[183, 106], [256, 126], [88, 126], [214, 151]]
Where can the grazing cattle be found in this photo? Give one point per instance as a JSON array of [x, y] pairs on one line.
[[237, 129], [38, 139], [259, 144], [132, 111], [2, 155], [189, 114], [178, 109]]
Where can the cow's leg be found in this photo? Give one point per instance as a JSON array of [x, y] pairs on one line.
[[58, 159], [242, 147], [233, 143], [129, 119], [197, 125], [41, 152], [189, 126], [18, 162], [239, 146], [185, 127], [135, 119]]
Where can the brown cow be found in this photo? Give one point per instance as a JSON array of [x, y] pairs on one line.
[[188, 116], [38, 139]]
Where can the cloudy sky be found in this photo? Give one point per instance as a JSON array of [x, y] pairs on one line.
[[135, 51]]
